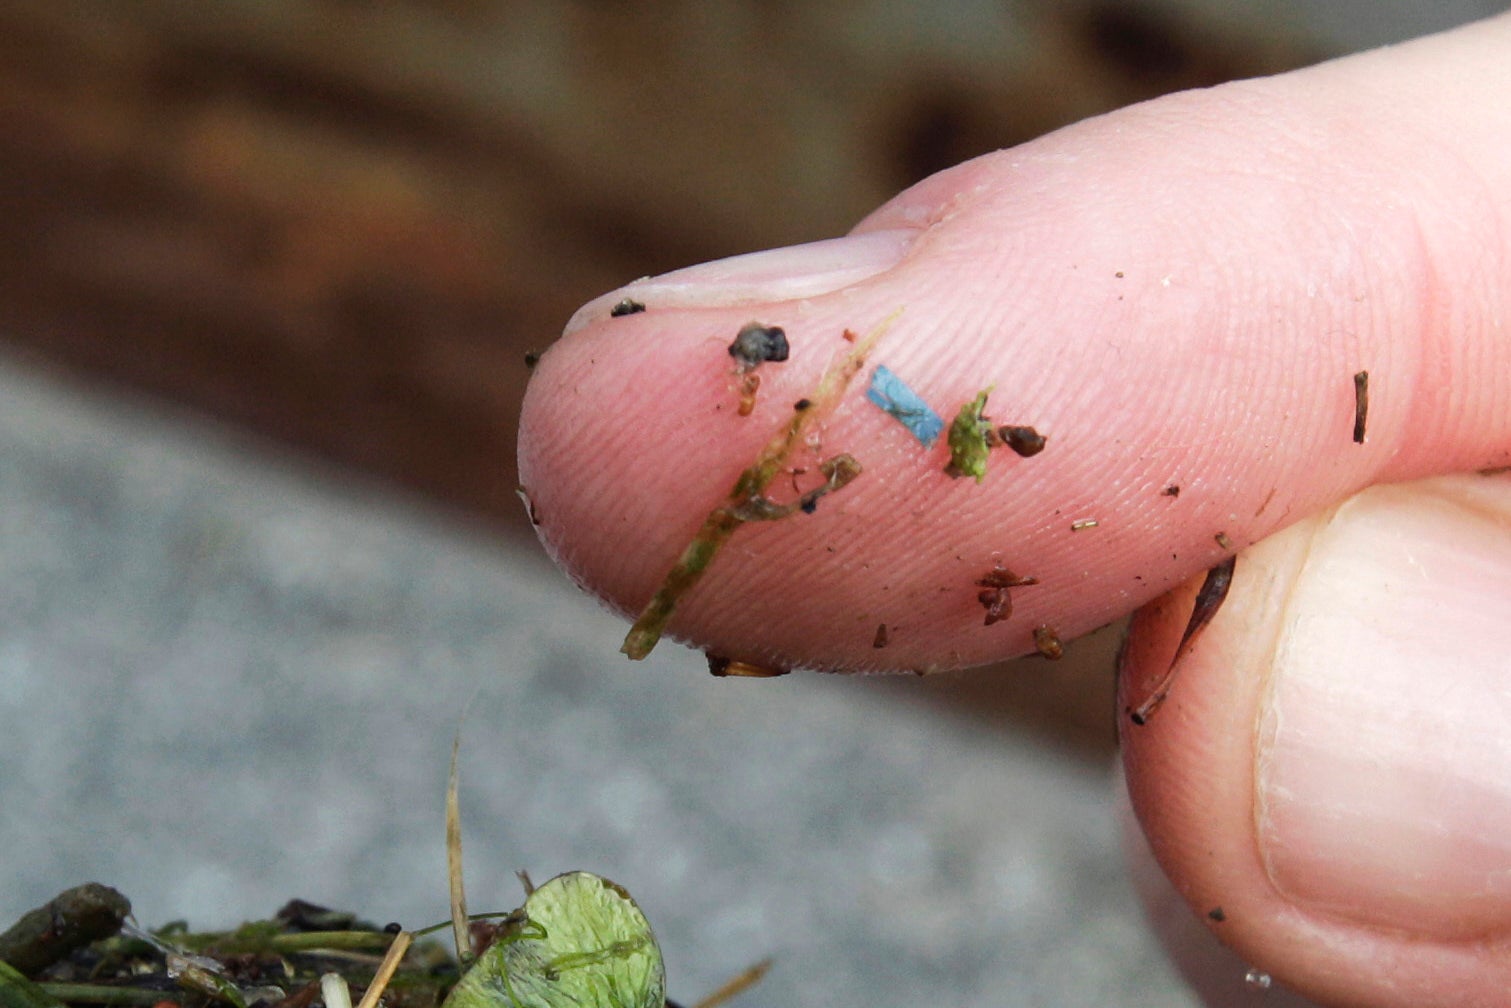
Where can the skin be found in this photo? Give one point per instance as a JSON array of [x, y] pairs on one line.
[[1177, 293]]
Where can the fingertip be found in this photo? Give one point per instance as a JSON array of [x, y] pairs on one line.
[[1327, 767]]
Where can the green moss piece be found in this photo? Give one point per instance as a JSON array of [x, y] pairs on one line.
[[581, 943], [970, 439]]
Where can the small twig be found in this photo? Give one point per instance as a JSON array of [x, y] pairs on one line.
[[1209, 598], [454, 857], [396, 951], [1361, 405], [736, 985]]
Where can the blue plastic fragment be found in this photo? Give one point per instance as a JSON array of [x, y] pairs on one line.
[[893, 395]]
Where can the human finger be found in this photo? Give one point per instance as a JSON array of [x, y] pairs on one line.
[[1178, 295], [1327, 783]]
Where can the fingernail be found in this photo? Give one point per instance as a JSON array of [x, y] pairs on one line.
[[1384, 761], [783, 274]]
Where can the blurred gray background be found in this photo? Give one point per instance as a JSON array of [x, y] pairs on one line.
[[266, 275]]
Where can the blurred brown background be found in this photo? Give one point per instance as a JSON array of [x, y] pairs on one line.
[[342, 224]]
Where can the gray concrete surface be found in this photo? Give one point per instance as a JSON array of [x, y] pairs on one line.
[[228, 679]]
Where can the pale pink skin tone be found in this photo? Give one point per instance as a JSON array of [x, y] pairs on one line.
[[1273, 237]]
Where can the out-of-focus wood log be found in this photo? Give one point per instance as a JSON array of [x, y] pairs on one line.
[[343, 223]]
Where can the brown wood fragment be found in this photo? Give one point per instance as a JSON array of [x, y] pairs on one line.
[[1361, 404], [994, 596], [1209, 598]]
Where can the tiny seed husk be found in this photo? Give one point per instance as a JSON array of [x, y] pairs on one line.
[[1047, 642], [1026, 441], [720, 666]]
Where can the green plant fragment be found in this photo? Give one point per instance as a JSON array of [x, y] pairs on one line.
[[579, 942], [747, 500], [18, 992], [970, 439]]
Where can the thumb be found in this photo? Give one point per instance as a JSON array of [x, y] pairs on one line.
[[1329, 785], [1177, 295]]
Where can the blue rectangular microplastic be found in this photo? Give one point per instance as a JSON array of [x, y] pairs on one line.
[[890, 393]]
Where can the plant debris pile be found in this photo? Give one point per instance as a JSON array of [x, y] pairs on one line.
[[80, 949]]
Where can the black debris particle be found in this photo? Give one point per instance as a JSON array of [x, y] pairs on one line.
[[756, 344], [1024, 440], [802, 404], [628, 306], [1173, 490], [1361, 404], [1217, 915], [532, 358]]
